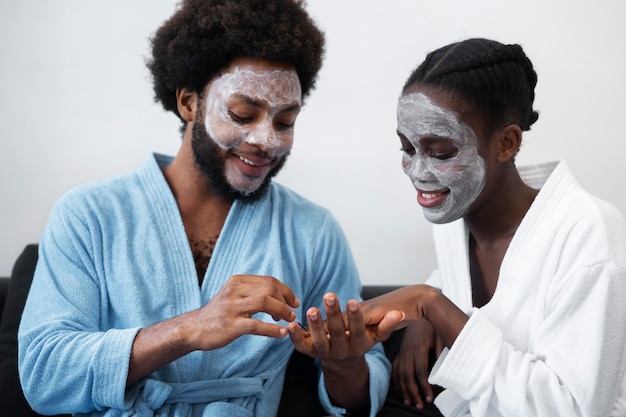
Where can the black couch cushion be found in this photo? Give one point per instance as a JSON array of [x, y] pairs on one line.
[[12, 401]]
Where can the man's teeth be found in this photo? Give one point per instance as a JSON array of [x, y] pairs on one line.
[[249, 162], [430, 195]]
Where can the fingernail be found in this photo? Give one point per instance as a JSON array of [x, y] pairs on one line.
[[330, 301], [353, 306]]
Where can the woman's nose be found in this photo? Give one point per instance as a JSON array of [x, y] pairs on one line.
[[419, 170]]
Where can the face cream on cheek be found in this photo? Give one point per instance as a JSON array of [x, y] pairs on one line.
[[267, 138], [274, 89], [217, 122], [463, 175]]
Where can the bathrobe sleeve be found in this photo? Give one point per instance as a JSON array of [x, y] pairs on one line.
[[434, 279], [576, 364], [65, 361]]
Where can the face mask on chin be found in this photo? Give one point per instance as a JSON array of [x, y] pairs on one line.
[[210, 160]]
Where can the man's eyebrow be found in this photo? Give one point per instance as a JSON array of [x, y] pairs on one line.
[[293, 107], [248, 100], [260, 104]]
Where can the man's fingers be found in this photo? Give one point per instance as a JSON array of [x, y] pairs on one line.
[[261, 284], [261, 328], [317, 331], [276, 308], [334, 316], [356, 324]]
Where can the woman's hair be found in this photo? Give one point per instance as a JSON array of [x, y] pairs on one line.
[[498, 79], [203, 36]]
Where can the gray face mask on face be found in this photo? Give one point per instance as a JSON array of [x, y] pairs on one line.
[[446, 187]]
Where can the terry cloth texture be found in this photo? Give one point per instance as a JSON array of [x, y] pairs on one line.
[[115, 258], [551, 341]]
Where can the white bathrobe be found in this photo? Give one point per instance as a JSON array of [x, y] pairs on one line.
[[552, 340]]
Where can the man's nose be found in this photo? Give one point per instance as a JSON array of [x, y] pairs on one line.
[[264, 136]]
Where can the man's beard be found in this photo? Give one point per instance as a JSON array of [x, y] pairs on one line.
[[207, 156]]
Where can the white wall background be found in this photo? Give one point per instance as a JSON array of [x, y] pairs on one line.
[[77, 106]]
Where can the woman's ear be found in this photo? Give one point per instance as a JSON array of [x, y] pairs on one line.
[[510, 141], [187, 102]]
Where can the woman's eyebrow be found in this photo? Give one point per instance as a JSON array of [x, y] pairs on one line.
[[429, 139], [426, 139]]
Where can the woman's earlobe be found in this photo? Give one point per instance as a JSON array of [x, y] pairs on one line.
[[187, 102], [510, 142]]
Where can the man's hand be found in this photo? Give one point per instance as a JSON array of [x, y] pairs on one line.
[[229, 313], [225, 318], [340, 343]]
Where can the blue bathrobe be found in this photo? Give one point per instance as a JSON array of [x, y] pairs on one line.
[[114, 258]]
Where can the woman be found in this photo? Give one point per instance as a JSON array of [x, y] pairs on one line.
[[529, 296]]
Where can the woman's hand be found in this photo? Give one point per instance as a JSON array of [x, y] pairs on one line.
[[408, 300], [415, 302], [411, 365]]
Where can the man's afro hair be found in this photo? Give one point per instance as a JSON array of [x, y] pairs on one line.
[[202, 37]]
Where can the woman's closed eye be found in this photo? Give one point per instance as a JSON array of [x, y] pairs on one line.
[[443, 155], [439, 148], [406, 146]]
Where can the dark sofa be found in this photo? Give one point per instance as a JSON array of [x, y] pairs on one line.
[[299, 394]]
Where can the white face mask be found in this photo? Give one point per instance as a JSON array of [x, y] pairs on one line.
[[256, 106], [448, 182], [277, 88]]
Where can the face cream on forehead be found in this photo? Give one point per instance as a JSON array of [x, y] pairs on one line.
[[276, 86], [274, 89], [446, 186], [420, 116]]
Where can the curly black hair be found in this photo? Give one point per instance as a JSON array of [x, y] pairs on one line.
[[499, 79], [202, 37]]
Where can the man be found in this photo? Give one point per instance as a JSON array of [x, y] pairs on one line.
[[168, 291]]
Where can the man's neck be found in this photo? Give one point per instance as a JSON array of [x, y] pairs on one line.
[[202, 211]]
